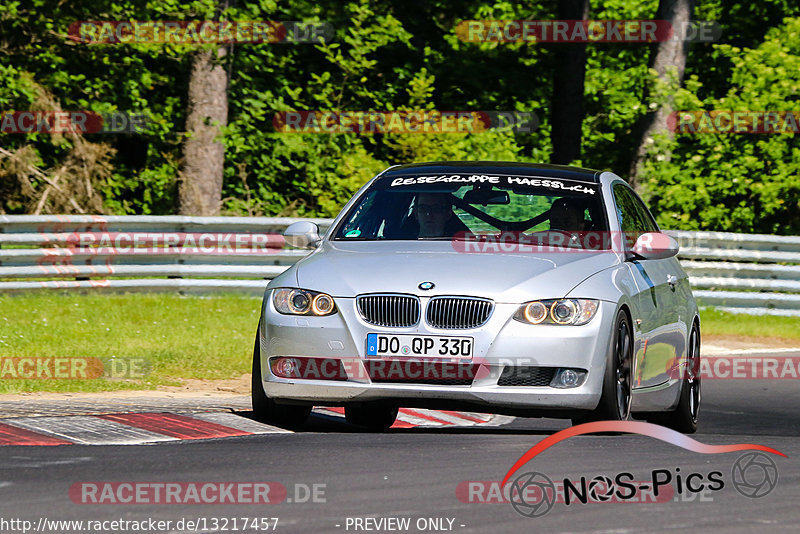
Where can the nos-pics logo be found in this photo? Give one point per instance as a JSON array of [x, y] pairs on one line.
[[533, 494]]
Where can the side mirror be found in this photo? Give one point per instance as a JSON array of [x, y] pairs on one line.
[[302, 234], [655, 246]]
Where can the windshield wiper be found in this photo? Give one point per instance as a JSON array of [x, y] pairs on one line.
[[463, 237]]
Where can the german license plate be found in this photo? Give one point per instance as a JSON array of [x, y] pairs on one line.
[[412, 346]]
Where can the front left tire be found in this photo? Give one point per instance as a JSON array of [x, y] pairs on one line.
[[375, 417], [685, 416], [615, 401]]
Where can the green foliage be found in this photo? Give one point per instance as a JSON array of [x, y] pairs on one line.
[[615, 78], [393, 55], [296, 174], [737, 182]]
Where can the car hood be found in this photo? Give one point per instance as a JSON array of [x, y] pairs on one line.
[[352, 268]]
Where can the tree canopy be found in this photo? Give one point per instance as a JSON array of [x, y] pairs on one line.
[[389, 55]]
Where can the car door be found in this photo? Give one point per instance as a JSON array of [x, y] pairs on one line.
[[654, 348], [672, 294]]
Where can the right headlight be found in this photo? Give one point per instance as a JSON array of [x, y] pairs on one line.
[[573, 312], [291, 301]]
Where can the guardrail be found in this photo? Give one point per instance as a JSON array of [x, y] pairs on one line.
[[124, 253], [757, 274], [745, 273]]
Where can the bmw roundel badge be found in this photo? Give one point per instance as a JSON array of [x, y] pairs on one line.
[[426, 286]]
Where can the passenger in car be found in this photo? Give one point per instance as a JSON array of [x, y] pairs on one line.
[[567, 214]]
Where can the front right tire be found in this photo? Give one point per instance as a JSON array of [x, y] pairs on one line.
[[266, 409]]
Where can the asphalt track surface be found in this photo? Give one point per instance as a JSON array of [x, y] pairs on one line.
[[414, 473]]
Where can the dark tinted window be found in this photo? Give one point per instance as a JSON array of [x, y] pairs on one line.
[[631, 220], [647, 218], [400, 208]]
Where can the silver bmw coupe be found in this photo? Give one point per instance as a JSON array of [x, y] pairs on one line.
[[523, 289]]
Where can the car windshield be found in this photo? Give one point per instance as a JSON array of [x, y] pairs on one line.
[[454, 206]]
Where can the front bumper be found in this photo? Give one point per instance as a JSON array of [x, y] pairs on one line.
[[501, 342]]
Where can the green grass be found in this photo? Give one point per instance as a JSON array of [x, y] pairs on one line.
[[178, 337], [717, 323], [192, 336]]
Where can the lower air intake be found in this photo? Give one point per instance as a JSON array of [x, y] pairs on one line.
[[421, 372], [529, 376]]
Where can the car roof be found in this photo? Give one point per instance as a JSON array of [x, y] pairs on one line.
[[497, 167]]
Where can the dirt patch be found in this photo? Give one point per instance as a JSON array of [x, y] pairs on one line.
[[238, 386], [189, 388], [731, 342]]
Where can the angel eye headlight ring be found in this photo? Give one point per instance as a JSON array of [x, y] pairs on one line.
[[535, 312], [322, 304], [295, 301], [563, 311]]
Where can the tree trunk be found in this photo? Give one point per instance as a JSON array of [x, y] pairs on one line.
[[668, 59], [203, 152], [566, 114]]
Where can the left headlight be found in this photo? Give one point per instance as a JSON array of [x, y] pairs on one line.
[[574, 312], [302, 302]]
